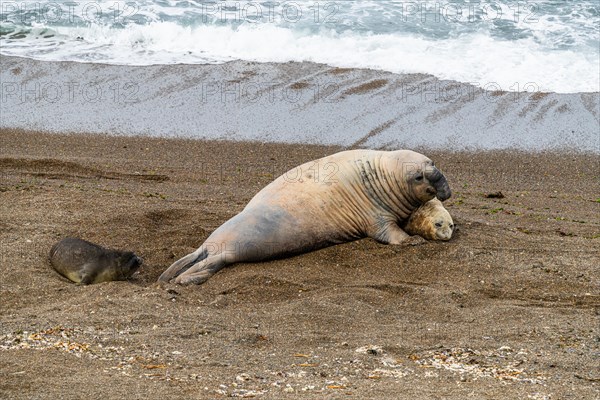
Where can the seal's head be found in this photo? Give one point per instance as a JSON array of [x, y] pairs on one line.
[[423, 180], [125, 264], [440, 226], [431, 221]]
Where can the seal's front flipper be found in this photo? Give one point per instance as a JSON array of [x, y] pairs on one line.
[[202, 271], [388, 232], [87, 274], [183, 264], [86, 278]]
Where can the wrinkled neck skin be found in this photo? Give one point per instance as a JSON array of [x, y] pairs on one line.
[[378, 193], [384, 189]]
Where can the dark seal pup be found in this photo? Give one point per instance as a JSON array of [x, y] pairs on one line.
[[85, 263], [336, 199]]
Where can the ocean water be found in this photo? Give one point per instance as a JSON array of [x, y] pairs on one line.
[[498, 45]]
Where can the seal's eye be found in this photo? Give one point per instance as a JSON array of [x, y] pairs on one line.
[[451, 226], [438, 224], [419, 178]]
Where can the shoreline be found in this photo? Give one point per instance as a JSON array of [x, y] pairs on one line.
[[302, 103], [48, 137]]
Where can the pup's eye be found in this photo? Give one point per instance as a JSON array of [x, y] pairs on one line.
[[451, 226], [438, 224], [419, 178]]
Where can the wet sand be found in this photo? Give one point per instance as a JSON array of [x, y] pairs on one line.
[[508, 309], [293, 103]]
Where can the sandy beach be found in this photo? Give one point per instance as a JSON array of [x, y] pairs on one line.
[[145, 126], [508, 309]]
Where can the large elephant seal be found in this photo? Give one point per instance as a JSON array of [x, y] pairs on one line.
[[84, 262], [431, 221], [336, 199]]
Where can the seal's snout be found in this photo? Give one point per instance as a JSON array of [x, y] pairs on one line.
[[440, 185], [445, 235], [138, 261], [443, 190], [132, 266]]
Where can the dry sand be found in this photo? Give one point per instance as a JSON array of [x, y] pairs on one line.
[[508, 309]]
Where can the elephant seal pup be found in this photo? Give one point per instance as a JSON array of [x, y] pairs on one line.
[[336, 199], [85, 263], [431, 221]]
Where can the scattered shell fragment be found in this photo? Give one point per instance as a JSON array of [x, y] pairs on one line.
[[461, 361], [370, 349]]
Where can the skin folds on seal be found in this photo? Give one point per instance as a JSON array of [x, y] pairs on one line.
[[85, 263], [336, 199]]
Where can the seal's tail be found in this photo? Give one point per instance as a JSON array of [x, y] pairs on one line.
[[183, 264]]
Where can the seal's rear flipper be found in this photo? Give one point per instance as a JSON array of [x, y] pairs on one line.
[[201, 271], [183, 264]]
